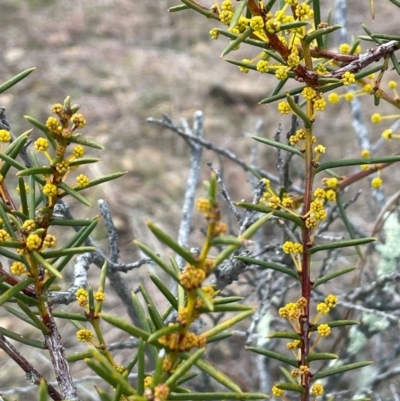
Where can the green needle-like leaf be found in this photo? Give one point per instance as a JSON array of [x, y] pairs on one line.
[[214, 373], [75, 194], [217, 396], [79, 356], [49, 267], [163, 332], [69, 251], [21, 316], [78, 138], [246, 235], [342, 244], [36, 321], [13, 151], [275, 355], [238, 12], [14, 80], [227, 300], [330, 276], [340, 369], [321, 356], [43, 396], [69, 315], [149, 252], [125, 326], [35, 171], [269, 265], [358, 162], [83, 160], [227, 240], [236, 42], [167, 240], [317, 34], [298, 111], [141, 314], [204, 297], [165, 291], [180, 7], [44, 129], [278, 145], [141, 367], [265, 209], [291, 335], [184, 367], [219, 337], [290, 387], [21, 339], [15, 289], [337, 323], [227, 324]]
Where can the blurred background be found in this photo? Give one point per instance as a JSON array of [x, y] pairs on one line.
[[124, 61]]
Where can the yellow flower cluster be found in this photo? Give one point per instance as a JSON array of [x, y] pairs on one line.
[[17, 268], [4, 235], [262, 66], [376, 182], [284, 108], [317, 389], [290, 311], [304, 369], [226, 16], [184, 316], [277, 392], [304, 11], [292, 247], [78, 151], [50, 190], [293, 345], [245, 69], [300, 135], [181, 343], [99, 296], [192, 277], [41, 144], [214, 33], [148, 381], [33, 242], [324, 330], [63, 166], [272, 25], [57, 108], [5, 136], [50, 241], [256, 23], [330, 182], [83, 181], [210, 293], [54, 125], [281, 73], [82, 297], [78, 120], [323, 308], [331, 300], [161, 392], [28, 225], [84, 335], [348, 78]]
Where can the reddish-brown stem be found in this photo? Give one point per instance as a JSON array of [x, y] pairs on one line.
[[305, 272]]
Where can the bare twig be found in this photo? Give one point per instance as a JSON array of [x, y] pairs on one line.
[[32, 375]]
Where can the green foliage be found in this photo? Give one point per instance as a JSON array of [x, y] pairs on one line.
[[169, 352]]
